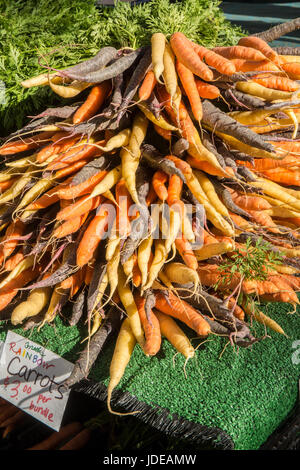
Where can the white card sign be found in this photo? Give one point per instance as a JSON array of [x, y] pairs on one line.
[[31, 378]]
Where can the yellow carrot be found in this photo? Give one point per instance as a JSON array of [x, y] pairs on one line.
[[123, 350], [169, 73], [36, 301], [128, 302], [260, 91], [175, 335], [144, 252], [130, 155], [158, 43]]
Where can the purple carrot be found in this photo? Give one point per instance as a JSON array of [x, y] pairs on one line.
[[63, 112], [77, 309], [208, 143], [286, 50], [246, 173], [153, 158], [135, 80], [99, 61], [97, 277], [90, 169], [227, 199], [117, 66], [90, 353], [243, 99], [180, 147], [222, 122], [279, 30]]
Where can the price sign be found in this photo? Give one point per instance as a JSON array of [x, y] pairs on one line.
[[31, 378]]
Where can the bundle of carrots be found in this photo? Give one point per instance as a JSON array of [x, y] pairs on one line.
[[125, 205]]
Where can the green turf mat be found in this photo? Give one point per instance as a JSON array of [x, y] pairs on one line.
[[246, 393]]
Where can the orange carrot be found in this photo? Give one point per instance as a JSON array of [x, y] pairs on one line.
[[56, 148], [92, 236], [293, 282], [69, 226], [88, 274], [151, 196], [21, 145], [48, 198], [73, 191], [108, 134], [12, 288], [239, 52], [164, 133], [136, 272], [260, 45], [206, 90], [186, 252], [147, 86], [150, 326], [158, 182], [93, 102], [83, 151], [207, 167], [208, 239], [189, 85], [185, 53], [261, 218], [294, 220], [220, 63], [11, 239], [285, 293], [13, 261], [254, 66], [4, 185], [182, 311], [278, 83], [292, 69], [182, 165], [293, 146], [260, 287], [238, 220], [263, 164], [209, 275], [284, 176], [174, 190], [254, 203], [79, 207], [68, 170]]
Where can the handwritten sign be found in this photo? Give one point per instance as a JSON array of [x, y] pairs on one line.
[[31, 378]]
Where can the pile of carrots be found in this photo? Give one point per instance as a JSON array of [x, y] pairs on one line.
[[124, 204]]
